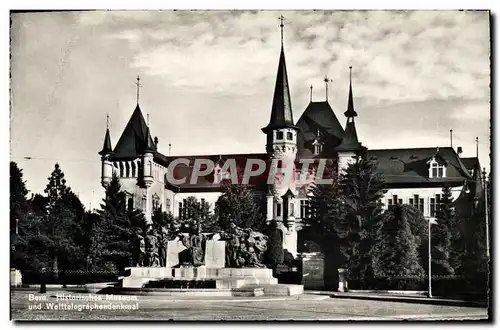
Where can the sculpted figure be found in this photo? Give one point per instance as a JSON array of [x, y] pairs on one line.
[[162, 246], [152, 251], [195, 245]]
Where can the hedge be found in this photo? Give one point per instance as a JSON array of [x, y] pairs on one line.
[[68, 277]]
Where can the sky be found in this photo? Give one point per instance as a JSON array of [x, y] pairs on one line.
[[208, 78]]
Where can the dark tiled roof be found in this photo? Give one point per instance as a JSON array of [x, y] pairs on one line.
[[403, 166], [134, 137], [318, 116], [106, 148], [350, 141], [281, 112], [470, 162], [205, 183]]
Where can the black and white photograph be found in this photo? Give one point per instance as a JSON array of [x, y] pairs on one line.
[[250, 165]]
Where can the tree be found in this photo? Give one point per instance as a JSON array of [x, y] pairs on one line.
[[62, 208], [361, 231], [18, 206], [274, 254], [441, 235], [239, 205], [399, 256], [117, 235], [18, 192]]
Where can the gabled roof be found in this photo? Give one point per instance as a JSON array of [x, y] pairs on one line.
[[134, 138], [318, 116], [403, 166], [281, 111], [106, 148]]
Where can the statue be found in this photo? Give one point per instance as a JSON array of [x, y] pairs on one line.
[[162, 246], [195, 245], [141, 253], [244, 248], [152, 250]]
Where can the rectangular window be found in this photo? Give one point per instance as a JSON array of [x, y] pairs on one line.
[[421, 205], [279, 135], [184, 209], [400, 201], [181, 211], [278, 210], [440, 172], [292, 210], [167, 204], [389, 204], [434, 205], [289, 136], [303, 208]]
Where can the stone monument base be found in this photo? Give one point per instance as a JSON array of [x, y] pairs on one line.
[[15, 277], [240, 280]]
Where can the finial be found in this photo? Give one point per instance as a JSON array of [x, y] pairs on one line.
[[281, 18], [169, 148], [477, 147], [138, 86], [107, 120], [350, 72], [451, 138], [326, 80], [311, 93]]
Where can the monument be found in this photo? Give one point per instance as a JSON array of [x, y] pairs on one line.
[[233, 260]]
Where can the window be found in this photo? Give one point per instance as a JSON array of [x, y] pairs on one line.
[[130, 204], [278, 210], [279, 135], [181, 211], [317, 149], [394, 201], [437, 170], [304, 208], [289, 136], [417, 203], [435, 202], [156, 203], [167, 204], [292, 211]]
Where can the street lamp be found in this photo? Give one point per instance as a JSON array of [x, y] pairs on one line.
[[430, 221]]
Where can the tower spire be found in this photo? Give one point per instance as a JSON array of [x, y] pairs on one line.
[[350, 102], [106, 147], [311, 93], [281, 26], [281, 111], [477, 147], [326, 80], [138, 84]]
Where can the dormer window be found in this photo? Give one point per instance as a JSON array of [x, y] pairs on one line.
[[317, 149], [279, 135], [437, 168]]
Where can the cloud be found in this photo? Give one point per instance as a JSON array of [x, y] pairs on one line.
[[397, 56]]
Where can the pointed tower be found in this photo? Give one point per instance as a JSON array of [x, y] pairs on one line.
[[282, 148], [106, 152], [350, 146], [147, 159]]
